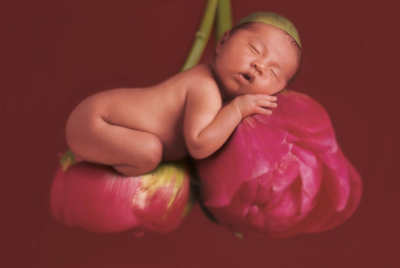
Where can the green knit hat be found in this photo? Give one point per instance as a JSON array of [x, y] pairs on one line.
[[273, 19]]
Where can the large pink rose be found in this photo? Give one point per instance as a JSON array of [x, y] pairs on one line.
[[282, 174], [98, 199]]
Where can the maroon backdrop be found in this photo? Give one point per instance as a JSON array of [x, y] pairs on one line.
[[54, 53]]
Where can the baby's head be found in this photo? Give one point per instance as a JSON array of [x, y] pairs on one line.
[[260, 54], [278, 21]]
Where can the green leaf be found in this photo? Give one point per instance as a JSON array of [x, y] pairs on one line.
[[67, 160]]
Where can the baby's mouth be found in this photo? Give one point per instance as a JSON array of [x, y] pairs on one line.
[[248, 77]]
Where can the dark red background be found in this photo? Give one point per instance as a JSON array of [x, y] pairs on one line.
[[54, 53]]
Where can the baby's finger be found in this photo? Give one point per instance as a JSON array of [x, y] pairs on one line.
[[260, 110], [265, 97], [265, 103]]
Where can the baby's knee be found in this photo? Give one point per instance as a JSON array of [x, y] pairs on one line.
[[73, 141], [80, 138]]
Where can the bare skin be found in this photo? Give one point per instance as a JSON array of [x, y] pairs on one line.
[[193, 112]]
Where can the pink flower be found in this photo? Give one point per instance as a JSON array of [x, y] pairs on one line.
[[98, 199], [282, 174]]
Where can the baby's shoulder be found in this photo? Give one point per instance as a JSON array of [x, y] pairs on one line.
[[201, 77]]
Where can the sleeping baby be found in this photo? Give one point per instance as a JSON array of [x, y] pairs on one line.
[[194, 112]]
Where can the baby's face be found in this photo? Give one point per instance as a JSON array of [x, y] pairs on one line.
[[259, 59]]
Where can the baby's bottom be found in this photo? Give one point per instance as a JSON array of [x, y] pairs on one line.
[[129, 151]]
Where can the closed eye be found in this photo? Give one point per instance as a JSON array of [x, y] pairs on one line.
[[255, 50], [273, 73]]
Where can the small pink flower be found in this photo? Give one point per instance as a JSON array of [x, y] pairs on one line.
[[98, 199], [282, 174]]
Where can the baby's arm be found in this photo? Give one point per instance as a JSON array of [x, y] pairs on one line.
[[207, 126]]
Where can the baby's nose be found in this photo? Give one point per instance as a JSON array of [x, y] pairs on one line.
[[259, 66]]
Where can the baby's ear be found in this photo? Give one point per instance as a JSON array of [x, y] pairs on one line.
[[222, 41]]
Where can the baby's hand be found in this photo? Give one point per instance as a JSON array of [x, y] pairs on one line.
[[254, 104]]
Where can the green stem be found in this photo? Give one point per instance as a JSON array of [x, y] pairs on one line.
[[223, 21], [202, 35]]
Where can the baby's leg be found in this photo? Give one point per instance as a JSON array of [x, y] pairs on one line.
[[129, 151]]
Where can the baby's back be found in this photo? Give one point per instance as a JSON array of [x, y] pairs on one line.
[[158, 110]]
